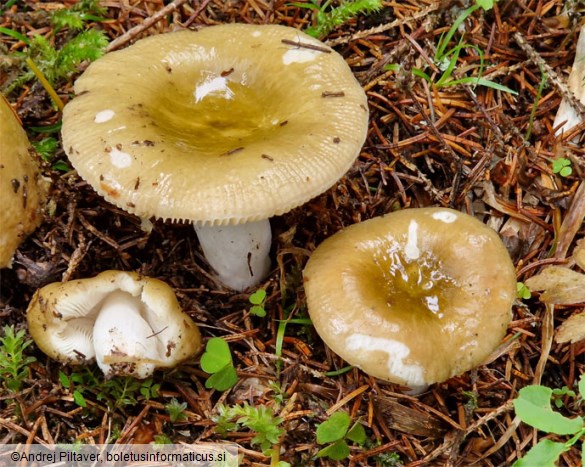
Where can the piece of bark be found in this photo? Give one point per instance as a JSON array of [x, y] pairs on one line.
[[400, 417]]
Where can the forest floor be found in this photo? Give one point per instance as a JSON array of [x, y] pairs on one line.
[[479, 149]]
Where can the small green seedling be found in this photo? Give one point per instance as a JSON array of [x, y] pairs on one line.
[[562, 166], [336, 431], [559, 394], [217, 361], [446, 59], [176, 410], [261, 420], [257, 300], [70, 383], [14, 365], [117, 392], [327, 21], [80, 13], [160, 440], [522, 292], [46, 149], [533, 407], [279, 394], [446, 38], [52, 64], [389, 459]]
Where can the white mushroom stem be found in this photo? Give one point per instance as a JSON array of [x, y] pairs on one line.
[[122, 337], [239, 254]]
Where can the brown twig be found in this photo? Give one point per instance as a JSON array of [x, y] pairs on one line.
[[563, 89], [147, 23], [425, 12]]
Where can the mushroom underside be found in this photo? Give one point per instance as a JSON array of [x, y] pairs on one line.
[[128, 324]]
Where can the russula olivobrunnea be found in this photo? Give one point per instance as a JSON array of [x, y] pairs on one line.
[[22, 189], [413, 297], [224, 127], [129, 324]]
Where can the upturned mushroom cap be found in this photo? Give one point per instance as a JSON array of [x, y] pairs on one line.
[[133, 324], [22, 189], [229, 124], [414, 297]]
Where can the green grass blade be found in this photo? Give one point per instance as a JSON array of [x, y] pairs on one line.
[[480, 82], [15, 35]]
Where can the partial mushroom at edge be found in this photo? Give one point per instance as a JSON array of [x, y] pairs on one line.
[[22, 189]]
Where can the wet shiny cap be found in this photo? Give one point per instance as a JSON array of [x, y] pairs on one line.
[[22, 190], [414, 297], [229, 124]]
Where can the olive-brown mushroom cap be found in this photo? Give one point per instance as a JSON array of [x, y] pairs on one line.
[[61, 318], [229, 124], [414, 297], [22, 189]]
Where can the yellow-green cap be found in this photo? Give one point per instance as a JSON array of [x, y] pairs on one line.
[[229, 124]]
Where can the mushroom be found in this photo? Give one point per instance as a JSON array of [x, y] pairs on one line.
[[129, 323], [413, 297], [224, 127], [568, 117], [22, 189]]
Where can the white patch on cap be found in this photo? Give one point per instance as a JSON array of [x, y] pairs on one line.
[[433, 304], [478, 240], [397, 352], [217, 85], [104, 116], [120, 159], [299, 56], [445, 216], [120, 128], [411, 249], [256, 34]]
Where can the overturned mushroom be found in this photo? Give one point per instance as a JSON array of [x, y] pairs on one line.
[[22, 189], [224, 127], [414, 297], [129, 323]]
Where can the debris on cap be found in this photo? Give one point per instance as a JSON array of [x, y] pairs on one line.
[[226, 125], [413, 297]]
